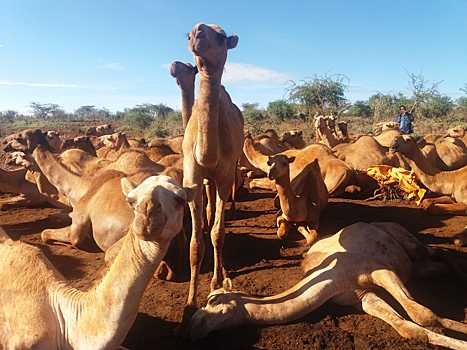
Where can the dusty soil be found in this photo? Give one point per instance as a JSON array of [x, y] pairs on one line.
[[259, 263]]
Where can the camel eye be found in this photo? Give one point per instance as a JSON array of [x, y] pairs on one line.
[[131, 201]]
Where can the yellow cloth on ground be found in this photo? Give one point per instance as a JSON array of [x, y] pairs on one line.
[[398, 177]]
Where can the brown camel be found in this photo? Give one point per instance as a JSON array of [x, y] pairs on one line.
[[324, 134], [175, 143], [211, 146], [40, 309], [80, 142], [340, 178], [100, 130], [300, 201], [450, 185], [293, 139], [450, 152], [351, 268], [367, 152], [184, 74]]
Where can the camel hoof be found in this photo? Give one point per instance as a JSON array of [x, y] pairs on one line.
[[283, 227], [460, 239], [311, 237]]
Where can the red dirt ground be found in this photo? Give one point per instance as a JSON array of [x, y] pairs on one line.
[[259, 263]]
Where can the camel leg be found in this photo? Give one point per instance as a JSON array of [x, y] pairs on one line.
[[417, 312], [311, 235], [197, 249], [218, 234], [74, 234], [375, 306], [21, 201], [284, 227], [210, 203], [460, 239]]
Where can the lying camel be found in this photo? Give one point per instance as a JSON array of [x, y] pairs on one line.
[[450, 153], [26, 141], [293, 139], [175, 143], [40, 309], [450, 185], [100, 130], [340, 178], [348, 268], [300, 201], [367, 152], [80, 142]]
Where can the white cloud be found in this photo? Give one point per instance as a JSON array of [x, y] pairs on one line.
[[59, 85], [114, 66], [236, 72]]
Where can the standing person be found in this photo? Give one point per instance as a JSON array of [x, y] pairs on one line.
[[405, 120]]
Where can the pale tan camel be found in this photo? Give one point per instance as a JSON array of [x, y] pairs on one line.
[[120, 144], [339, 177], [450, 153], [293, 139], [450, 185], [100, 130], [348, 268], [211, 146], [378, 128], [184, 74], [386, 136], [41, 310], [324, 134], [25, 141], [31, 183], [458, 132], [99, 210], [301, 200], [80, 142], [367, 152], [175, 143]]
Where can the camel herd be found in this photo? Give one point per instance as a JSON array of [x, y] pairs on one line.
[[131, 198]]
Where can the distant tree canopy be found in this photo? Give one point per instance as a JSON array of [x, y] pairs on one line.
[[320, 95], [281, 109], [46, 110]]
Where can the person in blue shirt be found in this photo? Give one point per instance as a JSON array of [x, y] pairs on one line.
[[405, 120]]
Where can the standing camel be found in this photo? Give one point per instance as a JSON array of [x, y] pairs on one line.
[[212, 145], [351, 268]]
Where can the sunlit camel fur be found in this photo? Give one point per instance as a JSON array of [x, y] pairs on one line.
[[301, 201], [450, 152], [41, 310], [340, 178], [348, 268], [100, 130], [450, 185], [184, 74], [80, 142], [175, 143], [211, 146]]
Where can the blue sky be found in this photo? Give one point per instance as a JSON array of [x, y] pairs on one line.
[[116, 54]]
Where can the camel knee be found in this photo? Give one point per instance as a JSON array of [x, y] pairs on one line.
[[422, 315], [283, 227]]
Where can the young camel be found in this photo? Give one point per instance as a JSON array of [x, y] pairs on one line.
[[300, 201], [347, 268], [211, 146], [450, 185], [40, 309]]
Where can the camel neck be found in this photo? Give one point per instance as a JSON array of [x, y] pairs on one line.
[[301, 299], [111, 307], [207, 150]]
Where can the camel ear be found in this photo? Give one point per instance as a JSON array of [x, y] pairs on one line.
[[269, 161], [291, 159], [227, 284], [232, 41], [190, 192], [127, 186]]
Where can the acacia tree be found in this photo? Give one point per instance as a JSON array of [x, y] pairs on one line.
[[46, 110], [320, 95], [281, 109]]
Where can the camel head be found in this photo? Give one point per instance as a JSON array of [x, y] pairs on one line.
[[158, 203], [457, 131], [279, 166], [26, 140], [209, 45], [320, 122], [224, 310], [404, 144]]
